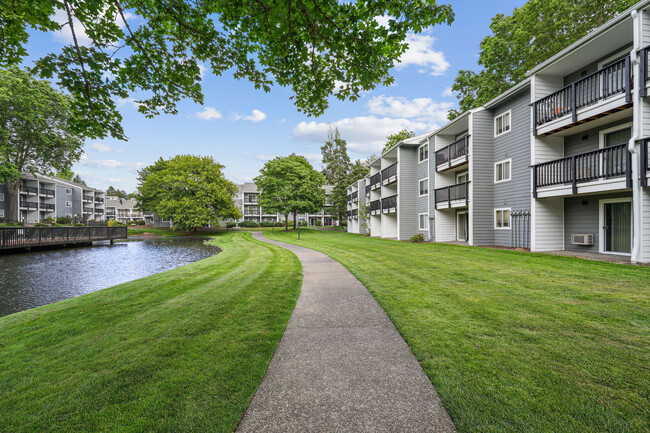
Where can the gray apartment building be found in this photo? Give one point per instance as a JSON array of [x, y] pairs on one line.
[[42, 197], [558, 162], [125, 210]]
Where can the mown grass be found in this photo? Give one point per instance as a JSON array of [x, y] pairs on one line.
[[183, 350], [513, 342]]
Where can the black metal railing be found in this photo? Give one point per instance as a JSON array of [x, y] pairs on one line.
[[367, 189], [375, 207], [643, 69], [87, 198], [252, 211], [452, 193], [355, 196], [349, 198], [375, 181], [99, 211], [47, 206], [644, 161], [609, 162], [389, 204], [25, 237], [24, 204], [28, 189], [46, 192], [456, 153], [389, 174], [88, 210], [355, 213], [99, 200], [613, 79]]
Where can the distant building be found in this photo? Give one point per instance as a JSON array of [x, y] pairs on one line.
[[125, 210]]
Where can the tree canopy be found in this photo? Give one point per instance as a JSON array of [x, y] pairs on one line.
[[394, 139], [189, 190], [36, 134], [336, 162], [157, 49], [532, 34], [290, 185], [112, 191]]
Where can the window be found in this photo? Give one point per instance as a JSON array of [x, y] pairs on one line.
[[2, 197], [614, 136], [68, 204], [424, 221], [68, 191], [502, 171], [2, 213], [502, 124], [424, 187], [68, 215], [423, 152], [462, 177], [502, 219]]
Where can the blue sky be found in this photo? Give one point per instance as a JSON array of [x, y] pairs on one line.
[[241, 127]]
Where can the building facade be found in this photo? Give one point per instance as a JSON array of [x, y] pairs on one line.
[[42, 197], [558, 162], [125, 211]]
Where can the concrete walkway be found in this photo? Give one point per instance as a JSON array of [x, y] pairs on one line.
[[341, 364]]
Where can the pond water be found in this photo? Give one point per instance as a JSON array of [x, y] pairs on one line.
[[32, 279]]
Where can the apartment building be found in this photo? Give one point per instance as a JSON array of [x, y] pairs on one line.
[[42, 197], [558, 162], [125, 210]]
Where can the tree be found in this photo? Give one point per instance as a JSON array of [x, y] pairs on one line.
[[395, 139], [358, 171], [157, 48], [532, 34], [189, 190], [290, 185], [36, 131], [112, 191], [364, 216], [336, 162], [79, 180], [68, 174]]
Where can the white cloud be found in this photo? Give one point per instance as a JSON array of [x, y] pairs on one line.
[[65, 33], [255, 116], [209, 113], [383, 20], [202, 69], [130, 101], [448, 92], [422, 109], [264, 158], [421, 53], [314, 158], [103, 147], [111, 164], [363, 134]]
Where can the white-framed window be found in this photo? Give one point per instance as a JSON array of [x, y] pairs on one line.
[[423, 221], [620, 134], [2, 213], [502, 123], [68, 204], [502, 219], [2, 196], [424, 186], [502, 170], [68, 191], [462, 177], [423, 152]]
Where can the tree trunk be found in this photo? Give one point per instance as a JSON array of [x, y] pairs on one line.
[[286, 223], [295, 219], [13, 188]]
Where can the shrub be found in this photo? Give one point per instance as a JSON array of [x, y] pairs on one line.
[[418, 238], [140, 222], [80, 225], [344, 223], [40, 225], [231, 225], [303, 223], [63, 220], [318, 223], [248, 224], [266, 224], [48, 220], [279, 224]]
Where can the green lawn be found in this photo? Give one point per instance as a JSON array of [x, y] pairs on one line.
[[175, 352], [513, 341]]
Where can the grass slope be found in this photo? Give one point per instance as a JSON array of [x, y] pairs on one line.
[[513, 341], [183, 350]]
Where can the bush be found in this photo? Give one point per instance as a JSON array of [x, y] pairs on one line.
[[231, 225], [48, 220], [80, 225], [63, 220], [318, 223], [303, 223], [266, 224], [418, 238], [140, 222], [115, 223], [279, 224], [40, 225], [248, 224], [344, 223]]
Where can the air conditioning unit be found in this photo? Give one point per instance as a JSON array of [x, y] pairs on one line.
[[582, 239]]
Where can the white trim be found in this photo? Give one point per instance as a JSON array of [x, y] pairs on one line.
[[603, 132], [502, 209], [613, 57], [509, 161], [428, 149], [68, 203], [426, 220], [466, 213], [68, 189], [509, 113], [601, 224], [420, 188], [462, 173]]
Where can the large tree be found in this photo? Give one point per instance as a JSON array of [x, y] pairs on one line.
[[532, 34], [339, 196], [155, 49], [290, 185], [189, 190], [396, 138], [336, 162], [36, 131]]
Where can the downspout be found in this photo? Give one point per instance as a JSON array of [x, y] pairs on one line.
[[636, 135]]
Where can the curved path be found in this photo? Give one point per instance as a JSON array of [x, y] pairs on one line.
[[341, 364]]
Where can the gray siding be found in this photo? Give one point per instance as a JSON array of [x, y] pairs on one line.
[[422, 205], [515, 145], [586, 141], [482, 175], [62, 197], [408, 192]]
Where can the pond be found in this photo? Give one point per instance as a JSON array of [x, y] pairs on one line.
[[32, 279]]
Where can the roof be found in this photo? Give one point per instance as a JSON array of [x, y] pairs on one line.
[[58, 180], [122, 203]]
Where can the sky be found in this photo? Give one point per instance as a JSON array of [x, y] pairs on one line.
[[242, 128]]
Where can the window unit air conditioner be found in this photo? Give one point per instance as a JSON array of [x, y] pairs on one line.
[[582, 239]]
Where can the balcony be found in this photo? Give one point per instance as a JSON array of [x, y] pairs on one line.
[[605, 91], [30, 190], [599, 170], [452, 196], [47, 207], [644, 161], [88, 210], [352, 214], [389, 175], [367, 190], [88, 198], [354, 197], [99, 200], [46, 192], [28, 205], [375, 181], [252, 211], [101, 212], [375, 207], [389, 204], [454, 155]]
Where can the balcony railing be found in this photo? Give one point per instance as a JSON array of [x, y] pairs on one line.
[[367, 189], [613, 79], [28, 189], [88, 210], [452, 193], [28, 205], [375, 207], [389, 204], [355, 196], [644, 161], [87, 198], [101, 212], [389, 174], [609, 162], [352, 214], [46, 192], [375, 181], [457, 153], [99, 200], [48, 207]]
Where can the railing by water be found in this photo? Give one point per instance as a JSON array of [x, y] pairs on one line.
[[27, 237]]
